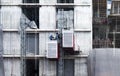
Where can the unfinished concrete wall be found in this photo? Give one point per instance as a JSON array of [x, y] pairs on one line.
[[10, 19], [83, 40], [47, 17], [11, 43], [83, 17], [12, 67], [83, 2], [47, 67], [83, 37], [83, 22], [47, 1], [10, 1], [81, 67], [47, 20]]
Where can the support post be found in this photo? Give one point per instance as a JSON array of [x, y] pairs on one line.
[[2, 73]]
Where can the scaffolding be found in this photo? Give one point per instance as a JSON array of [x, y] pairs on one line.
[[2, 73]]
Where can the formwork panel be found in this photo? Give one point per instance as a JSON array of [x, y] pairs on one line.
[[83, 41], [48, 1], [47, 17], [11, 43], [83, 1], [12, 67], [80, 67], [11, 1], [83, 17], [47, 67], [10, 19]]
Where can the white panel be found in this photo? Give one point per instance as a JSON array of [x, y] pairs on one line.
[[67, 38], [81, 67], [82, 1], [11, 43], [12, 67], [83, 17], [52, 50], [42, 43], [10, 18], [47, 68], [11, 1], [83, 40], [47, 17], [48, 1]]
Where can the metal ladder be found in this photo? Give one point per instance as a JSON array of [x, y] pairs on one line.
[[23, 53]]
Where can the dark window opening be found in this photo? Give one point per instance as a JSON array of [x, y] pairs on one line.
[[32, 67], [32, 43], [115, 7], [30, 1], [100, 25], [32, 13], [65, 1], [114, 29], [32, 39], [99, 8], [69, 67], [65, 18]]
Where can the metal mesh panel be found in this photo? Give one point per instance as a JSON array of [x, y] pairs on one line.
[[32, 44], [52, 49], [68, 38], [104, 62]]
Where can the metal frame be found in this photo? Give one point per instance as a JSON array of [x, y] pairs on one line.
[[1, 53]]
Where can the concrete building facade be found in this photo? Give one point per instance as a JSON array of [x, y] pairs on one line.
[[77, 15]]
